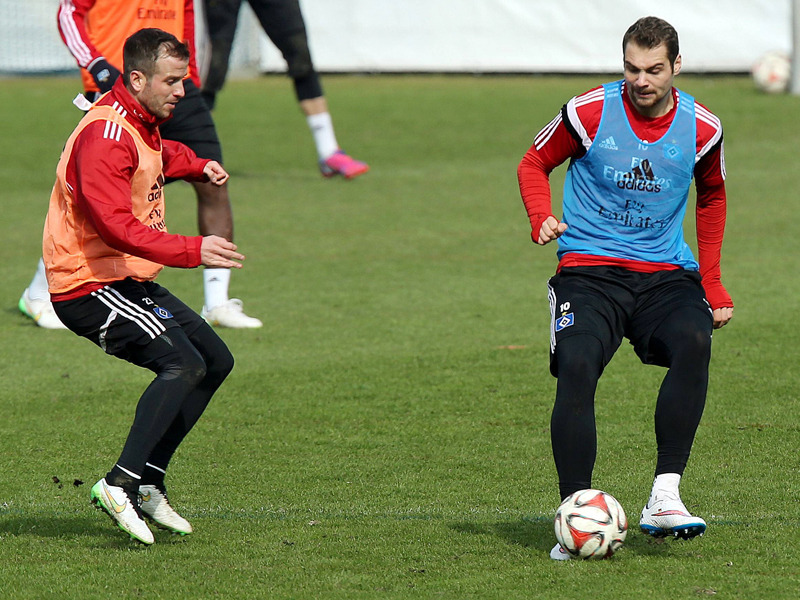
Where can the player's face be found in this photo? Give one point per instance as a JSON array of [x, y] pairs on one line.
[[649, 76], [164, 89]]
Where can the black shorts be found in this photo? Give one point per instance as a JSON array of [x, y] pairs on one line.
[[609, 303], [192, 124], [126, 313]]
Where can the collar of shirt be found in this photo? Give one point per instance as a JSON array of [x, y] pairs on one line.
[[144, 121]]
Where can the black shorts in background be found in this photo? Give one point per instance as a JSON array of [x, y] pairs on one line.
[[612, 303], [192, 124]]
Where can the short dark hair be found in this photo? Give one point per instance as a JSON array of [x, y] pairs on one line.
[[143, 49], [650, 32]]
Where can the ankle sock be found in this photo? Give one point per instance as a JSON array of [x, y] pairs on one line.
[[153, 475], [666, 483], [123, 478]]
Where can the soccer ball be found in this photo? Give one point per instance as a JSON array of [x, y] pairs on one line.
[[772, 71], [591, 524]]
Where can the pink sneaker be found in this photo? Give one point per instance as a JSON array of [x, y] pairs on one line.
[[340, 163]]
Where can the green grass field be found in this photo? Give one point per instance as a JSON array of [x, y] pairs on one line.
[[385, 435]]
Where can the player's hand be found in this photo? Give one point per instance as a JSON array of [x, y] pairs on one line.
[[215, 173], [104, 74], [722, 316], [550, 230], [216, 251], [720, 301]]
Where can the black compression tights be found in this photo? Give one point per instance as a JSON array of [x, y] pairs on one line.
[[684, 342], [572, 426], [188, 372]]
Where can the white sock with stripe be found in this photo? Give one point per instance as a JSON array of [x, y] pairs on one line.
[[321, 126], [215, 286]]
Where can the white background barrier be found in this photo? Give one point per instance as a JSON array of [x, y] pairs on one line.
[[460, 35], [533, 35]]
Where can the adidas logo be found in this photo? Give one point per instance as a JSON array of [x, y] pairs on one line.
[[155, 191], [643, 171], [609, 143], [640, 178]]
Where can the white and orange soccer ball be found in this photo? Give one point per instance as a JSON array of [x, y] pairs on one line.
[[772, 71], [591, 524]]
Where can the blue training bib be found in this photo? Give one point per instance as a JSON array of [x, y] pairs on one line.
[[626, 198]]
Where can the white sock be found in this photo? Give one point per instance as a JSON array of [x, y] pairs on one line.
[[215, 286], [38, 289], [321, 126], [666, 482]]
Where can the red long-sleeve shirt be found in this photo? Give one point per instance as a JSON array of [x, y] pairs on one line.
[[570, 134], [99, 173]]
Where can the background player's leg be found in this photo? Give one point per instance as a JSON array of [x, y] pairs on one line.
[[35, 301], [215, 217], [193, 126], [283, 23], [214, 213], [221, 19]]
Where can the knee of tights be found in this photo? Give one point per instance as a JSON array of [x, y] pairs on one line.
[[300, 67], [219, 367], [698, 346], [688, 340], [298, 56], [192, 370], [179, 359], [579, 358], [217, 71]]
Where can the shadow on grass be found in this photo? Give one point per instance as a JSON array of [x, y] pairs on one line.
[[528, 533], [644, 545], [103, 532], [538, 534]]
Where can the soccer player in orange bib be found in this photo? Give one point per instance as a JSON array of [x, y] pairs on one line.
[[106, 239], [94, 31]]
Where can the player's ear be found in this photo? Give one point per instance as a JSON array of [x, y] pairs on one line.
[[676, 68], [137, 81]]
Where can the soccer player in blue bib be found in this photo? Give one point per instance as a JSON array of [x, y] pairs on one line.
[[625, 271]]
